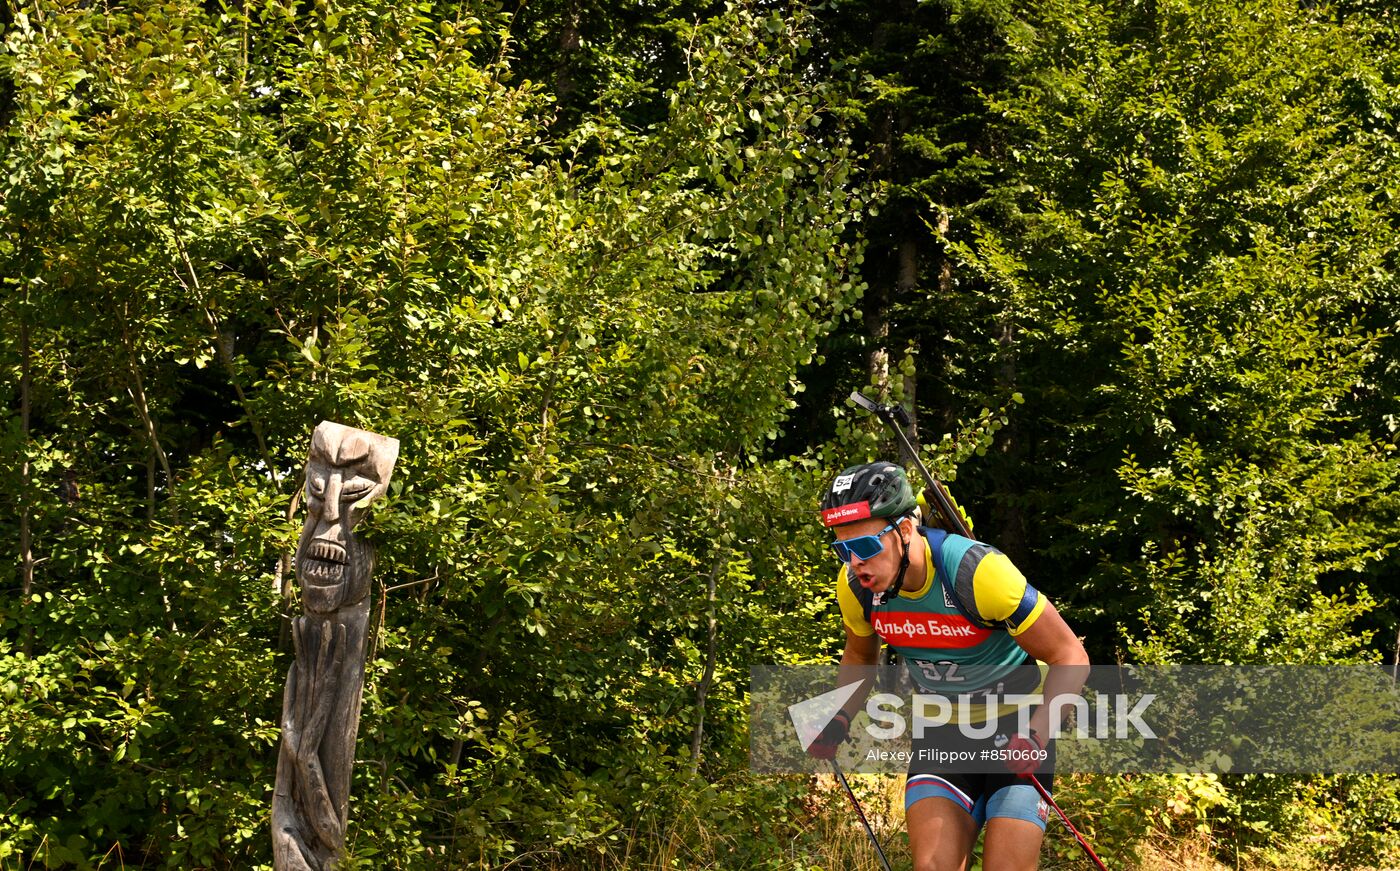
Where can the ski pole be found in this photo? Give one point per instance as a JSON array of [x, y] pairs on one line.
[[840, 775], [1045, 794]]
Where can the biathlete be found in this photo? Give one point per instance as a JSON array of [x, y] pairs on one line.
[[964, 619]]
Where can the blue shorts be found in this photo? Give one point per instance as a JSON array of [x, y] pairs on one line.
[[985, 794]]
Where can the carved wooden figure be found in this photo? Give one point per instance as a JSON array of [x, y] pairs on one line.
[[346, 471]]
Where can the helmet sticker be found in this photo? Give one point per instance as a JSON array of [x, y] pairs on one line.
[[842, 483], [846, 513]]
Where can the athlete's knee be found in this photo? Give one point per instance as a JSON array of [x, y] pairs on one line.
[[948, 853], [925, 863], [933, 862]]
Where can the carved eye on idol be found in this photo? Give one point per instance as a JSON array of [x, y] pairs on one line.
[[356, 488], [351, 490]]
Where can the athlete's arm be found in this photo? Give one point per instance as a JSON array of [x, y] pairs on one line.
[[1050, 640], [862, 653]]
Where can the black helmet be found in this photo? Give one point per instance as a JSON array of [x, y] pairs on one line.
[[877, 489]]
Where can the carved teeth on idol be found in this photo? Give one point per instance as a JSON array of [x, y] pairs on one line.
[[320, 570], [327, 551]]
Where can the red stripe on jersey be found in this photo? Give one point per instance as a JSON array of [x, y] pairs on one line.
[[934, 631]]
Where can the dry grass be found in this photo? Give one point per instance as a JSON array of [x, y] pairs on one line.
[[835, 841], [840, 841], [1181, 856]]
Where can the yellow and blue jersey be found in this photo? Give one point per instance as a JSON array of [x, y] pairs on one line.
[[946, 652]]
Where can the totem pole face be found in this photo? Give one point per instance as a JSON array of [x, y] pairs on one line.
[[346, 471]]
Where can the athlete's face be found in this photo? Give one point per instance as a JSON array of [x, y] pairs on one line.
[[877, 573]]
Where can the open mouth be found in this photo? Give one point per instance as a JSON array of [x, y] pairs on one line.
[[323, 564]]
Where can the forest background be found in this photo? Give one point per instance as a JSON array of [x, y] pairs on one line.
[[608, 273]]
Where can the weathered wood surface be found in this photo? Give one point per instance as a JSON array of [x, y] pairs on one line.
[[347, 470]]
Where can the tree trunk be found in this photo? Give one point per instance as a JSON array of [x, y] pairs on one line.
[[224, 346], [150, 487], [284, 576], [944, 415], [138, 396], [26, 510], [137, 391], [877, 333], [1011, 519], [908, 283], [7, 88], [570, 39], [1395, 666], [703, 692]]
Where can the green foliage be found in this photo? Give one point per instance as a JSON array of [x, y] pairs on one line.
[[1193, 234], [1170, 229], [1118, 814], [220, 227], [1136, 261], [1201, 229]]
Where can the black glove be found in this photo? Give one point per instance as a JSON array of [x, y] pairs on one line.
[[831, 737]]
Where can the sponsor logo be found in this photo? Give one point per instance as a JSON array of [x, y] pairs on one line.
[[918, 629], [846, 513], [1042, 810]]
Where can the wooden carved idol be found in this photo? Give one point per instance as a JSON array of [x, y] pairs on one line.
[[346, 471]]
